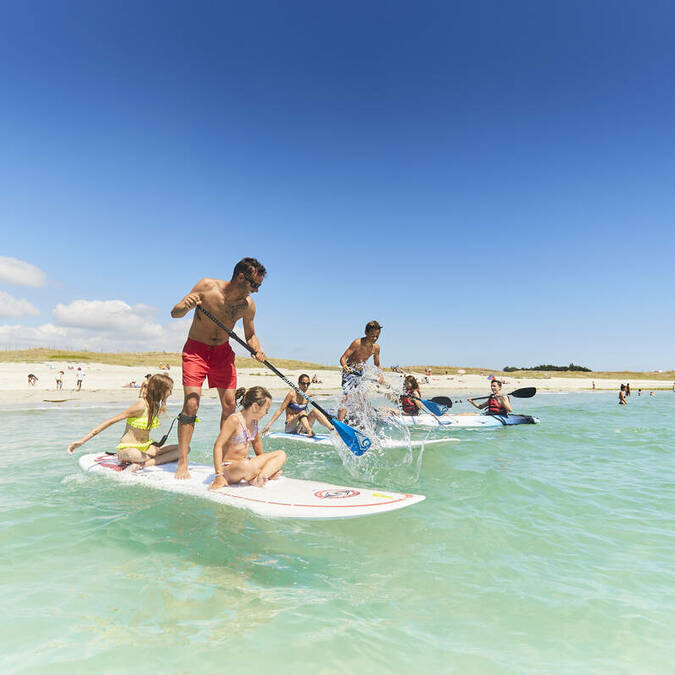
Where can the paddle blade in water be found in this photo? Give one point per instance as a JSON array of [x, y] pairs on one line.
[[357, 442], [443, 400]]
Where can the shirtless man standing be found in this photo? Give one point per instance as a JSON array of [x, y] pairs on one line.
[[354, 358], [207, 351]]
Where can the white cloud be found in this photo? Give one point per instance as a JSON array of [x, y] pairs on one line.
[[100, 325], [112, 316], [11, 306], [21, 273]]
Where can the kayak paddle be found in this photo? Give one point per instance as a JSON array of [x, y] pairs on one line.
[[525, 392], [357, 442]]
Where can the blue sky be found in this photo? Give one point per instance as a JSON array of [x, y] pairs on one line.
[[492, 181]]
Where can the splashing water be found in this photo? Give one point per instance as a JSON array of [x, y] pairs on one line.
[[392, 455]]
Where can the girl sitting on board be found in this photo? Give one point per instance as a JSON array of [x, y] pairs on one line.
[[231, 450], [298, 421], [136, 447], [497, 404]]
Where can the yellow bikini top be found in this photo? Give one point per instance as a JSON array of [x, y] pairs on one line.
[[142, 422]]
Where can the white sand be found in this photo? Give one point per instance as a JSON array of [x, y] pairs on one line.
[[104, 382]]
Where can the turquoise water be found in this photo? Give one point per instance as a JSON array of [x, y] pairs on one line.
[[539, 549]]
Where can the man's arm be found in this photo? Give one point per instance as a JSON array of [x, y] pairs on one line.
[[249, 332], [376, 355], [190, 301]]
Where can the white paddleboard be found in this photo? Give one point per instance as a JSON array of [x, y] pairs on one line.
[[324, 439], [282, 498]]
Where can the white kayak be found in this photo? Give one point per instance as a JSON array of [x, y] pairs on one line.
[[281, 498], [466, 421], [325, 439]]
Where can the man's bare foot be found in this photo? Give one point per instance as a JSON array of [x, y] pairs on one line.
[[133, 467], [182, 473], [276, 475]]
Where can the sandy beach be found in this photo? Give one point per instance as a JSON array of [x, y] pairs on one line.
[[103, 382]]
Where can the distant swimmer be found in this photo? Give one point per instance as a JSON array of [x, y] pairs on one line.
[[298, 420], [410, 401], [136, 448], [207, 352], [498, 403], [622, 395], [231, 450], [627, 388], [355, 357]]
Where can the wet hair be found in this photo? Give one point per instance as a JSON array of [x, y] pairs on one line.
[[158, 390], [412, 380], [248, 397], [249, 266], [623, 387], [304, 375], [498, 382], [372, 325]]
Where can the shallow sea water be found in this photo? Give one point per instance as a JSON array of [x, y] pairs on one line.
[[545, 549]]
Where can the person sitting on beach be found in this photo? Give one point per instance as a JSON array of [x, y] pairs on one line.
[[498, 403], [411, 404], [131, 385], [315, 379], [136, 448], [622, 395], [297, 419], [239, 431], [32, 379], [355, 357]]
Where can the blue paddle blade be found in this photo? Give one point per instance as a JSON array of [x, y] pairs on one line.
[[435, 408], [357, 442]]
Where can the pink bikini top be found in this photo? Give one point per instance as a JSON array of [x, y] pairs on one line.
[[243, 436]]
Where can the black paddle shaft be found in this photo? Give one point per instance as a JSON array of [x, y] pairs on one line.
[[252, 351]]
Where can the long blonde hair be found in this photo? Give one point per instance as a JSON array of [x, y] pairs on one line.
[[157, 391]]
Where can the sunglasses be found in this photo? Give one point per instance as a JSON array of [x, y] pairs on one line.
[[305, 384], [254, 284]]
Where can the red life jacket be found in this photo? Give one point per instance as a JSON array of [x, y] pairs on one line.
[[495, 408], [408, 405]]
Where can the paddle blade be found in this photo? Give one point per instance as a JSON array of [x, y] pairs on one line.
[[525, 392], [434, 407], [357, 442], [443, 400]]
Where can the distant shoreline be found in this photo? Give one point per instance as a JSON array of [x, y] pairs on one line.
[[152, 360]]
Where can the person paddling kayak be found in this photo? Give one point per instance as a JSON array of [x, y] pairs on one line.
[[497, 404]]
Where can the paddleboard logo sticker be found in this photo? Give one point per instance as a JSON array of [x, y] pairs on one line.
[[336, 493], [104, 460]]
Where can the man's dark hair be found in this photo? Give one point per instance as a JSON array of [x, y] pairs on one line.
[[249, 266], [373, 325]]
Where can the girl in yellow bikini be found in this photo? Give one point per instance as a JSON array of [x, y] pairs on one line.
[[240, 430], [136, 447]]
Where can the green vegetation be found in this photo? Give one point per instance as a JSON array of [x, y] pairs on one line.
[[149, 359], [550, 368]]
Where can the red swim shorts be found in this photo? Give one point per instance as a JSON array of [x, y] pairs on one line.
[[216, 361]]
